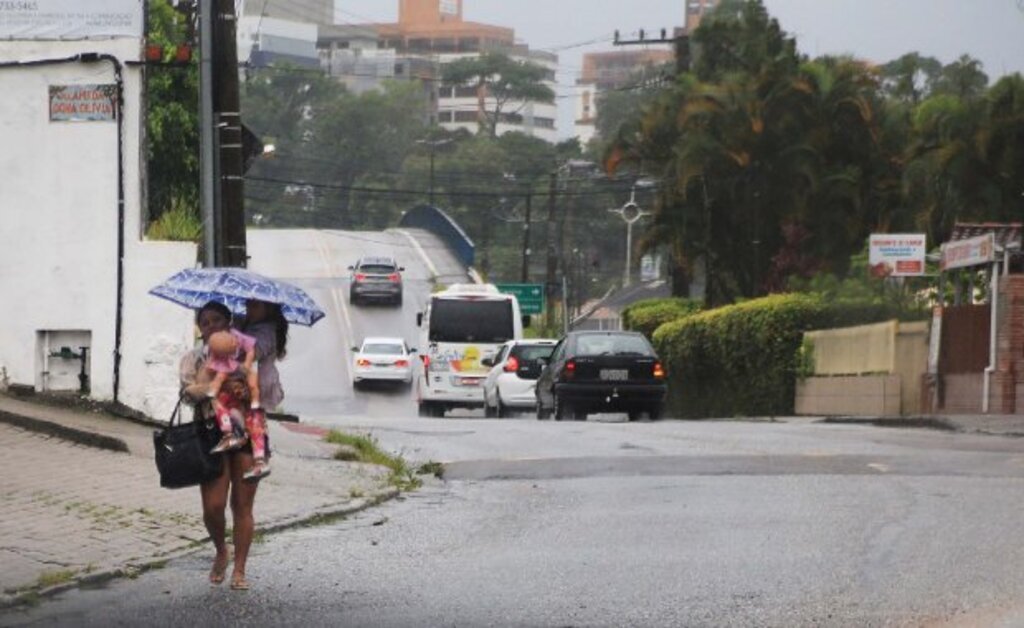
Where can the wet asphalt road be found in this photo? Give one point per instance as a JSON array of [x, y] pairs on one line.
[[925, 533]]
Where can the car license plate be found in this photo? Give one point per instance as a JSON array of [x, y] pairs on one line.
[[466, 381], [614, 375]]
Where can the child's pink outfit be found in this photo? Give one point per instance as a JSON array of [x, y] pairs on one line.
[[230, 364], [232, 412]]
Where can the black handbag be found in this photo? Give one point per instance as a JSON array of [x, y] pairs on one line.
[[182, 451]]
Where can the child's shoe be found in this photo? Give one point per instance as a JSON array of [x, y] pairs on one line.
[[260, 469], [229, 443]]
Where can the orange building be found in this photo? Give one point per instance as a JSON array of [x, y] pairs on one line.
[[437, 26], [436, 30]]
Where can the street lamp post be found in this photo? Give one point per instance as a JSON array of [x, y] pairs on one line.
[[630, 213]]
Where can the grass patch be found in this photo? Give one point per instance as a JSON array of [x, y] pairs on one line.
[[433, 468], [51, 578], [368, 451]]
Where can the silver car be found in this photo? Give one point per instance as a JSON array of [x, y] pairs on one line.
[[509, 386], [378, 278]]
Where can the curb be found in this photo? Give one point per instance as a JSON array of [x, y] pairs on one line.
[[905, 422], [81, 437], [30, 595]]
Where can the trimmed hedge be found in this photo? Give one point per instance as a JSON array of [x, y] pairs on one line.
[[741, 360], [647, 315]]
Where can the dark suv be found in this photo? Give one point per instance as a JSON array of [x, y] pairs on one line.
[[376, 278], [602, 371]]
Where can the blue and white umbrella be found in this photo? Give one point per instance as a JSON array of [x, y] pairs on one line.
[[195, 287]]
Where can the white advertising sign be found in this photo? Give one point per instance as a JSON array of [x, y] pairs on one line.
[[969, 252], [896, 254], [70, 19]]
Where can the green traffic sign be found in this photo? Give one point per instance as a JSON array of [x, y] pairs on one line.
[[529, 295]]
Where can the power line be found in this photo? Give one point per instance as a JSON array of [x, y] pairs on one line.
[[424, 193]]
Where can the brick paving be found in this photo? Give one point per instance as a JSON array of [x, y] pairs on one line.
[[70, 512]]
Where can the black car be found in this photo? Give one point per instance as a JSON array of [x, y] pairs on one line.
[[602, 371], [376, 278]]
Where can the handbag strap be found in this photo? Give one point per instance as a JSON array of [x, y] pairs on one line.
[[176, 413]]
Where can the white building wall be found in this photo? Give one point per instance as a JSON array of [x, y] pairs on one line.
[[528, 110], [59, 232]]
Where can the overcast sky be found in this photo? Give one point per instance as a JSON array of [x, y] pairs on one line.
[[876, 30]]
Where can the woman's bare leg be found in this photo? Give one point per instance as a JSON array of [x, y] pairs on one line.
[[243, 495], [215, 500]]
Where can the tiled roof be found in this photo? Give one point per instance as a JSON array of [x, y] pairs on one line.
[[1005, 232]]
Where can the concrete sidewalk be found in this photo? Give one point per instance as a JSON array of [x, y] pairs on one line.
[[81, 498], [1008, 425]]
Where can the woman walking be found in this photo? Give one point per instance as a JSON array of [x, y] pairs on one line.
[[210, 318]]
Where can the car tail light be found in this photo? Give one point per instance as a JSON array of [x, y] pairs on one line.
[[362, 362], [426, 361], [512, 365], [401, 363], [394, 277], [360, 277], [570, 369], [659, 371]]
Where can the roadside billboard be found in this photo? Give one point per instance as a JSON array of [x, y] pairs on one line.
[[896, 254], [70, 19], [969, 252]]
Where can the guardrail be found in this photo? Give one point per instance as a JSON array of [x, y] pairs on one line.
[[443, 226]]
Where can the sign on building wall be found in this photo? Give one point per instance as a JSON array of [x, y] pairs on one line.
[[896, 254], [969, 252], [70, 19], [83, 103]]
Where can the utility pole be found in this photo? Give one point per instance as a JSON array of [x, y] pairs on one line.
[[552, 252], [432, 144], [207, 151], [524, 276], [229, 126]]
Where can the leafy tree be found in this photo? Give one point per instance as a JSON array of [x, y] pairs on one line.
[[172, 120], [962, 78], [503, 80], [911, 78]]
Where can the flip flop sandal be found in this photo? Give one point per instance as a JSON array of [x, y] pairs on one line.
[[239, 583], [217, 572]]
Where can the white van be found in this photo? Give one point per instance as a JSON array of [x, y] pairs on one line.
[[462, 325]]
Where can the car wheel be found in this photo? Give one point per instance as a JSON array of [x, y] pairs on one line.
[[560, 409], [490, 411], [579, 415], [543, 414], [352, 298], [427, 409], [398, 300], [501, 409], [635, 415], [656, 412]]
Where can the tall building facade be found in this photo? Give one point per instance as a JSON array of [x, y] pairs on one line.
[[309, 11], [695, 11], [604, 71], [435, 30]]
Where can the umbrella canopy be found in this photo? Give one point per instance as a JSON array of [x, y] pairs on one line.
[[194, 287]]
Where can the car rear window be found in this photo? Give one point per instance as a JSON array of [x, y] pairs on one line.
[[377, 268], [471, 320], [533, 352], [382, 349], [612, 344]]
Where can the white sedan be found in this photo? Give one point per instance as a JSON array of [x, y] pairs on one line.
[[509, 386], [382, 359]]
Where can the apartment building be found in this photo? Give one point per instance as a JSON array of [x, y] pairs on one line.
[[435, 30]]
